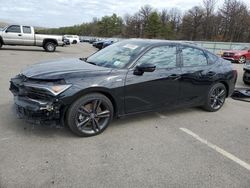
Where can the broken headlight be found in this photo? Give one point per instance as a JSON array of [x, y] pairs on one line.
[[50, 89]]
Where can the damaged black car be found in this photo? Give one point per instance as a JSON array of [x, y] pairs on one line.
[[246, 75], [129, 77]]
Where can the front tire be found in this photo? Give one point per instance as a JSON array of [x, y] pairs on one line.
[[50, 47], [90, 115], [1, 44], [244, 79], [215, 97]]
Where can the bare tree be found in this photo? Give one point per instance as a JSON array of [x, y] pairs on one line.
[[175, 18], [234, 20], [144, 13], [164, 16], [208, 19], [191, 25]]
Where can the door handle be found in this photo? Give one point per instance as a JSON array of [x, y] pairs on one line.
[[174, 76], [19, 35]]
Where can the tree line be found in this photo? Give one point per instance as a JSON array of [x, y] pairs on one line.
[[230, 22]]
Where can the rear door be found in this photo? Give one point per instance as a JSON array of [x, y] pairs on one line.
[[13, 35], [28, 36], [154, 89], [197, 75]]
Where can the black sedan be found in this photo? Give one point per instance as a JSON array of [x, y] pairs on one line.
[[129, 77], [99, 44], [246, 75]]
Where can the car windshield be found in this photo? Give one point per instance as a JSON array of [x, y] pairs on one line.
[[241, 48], [118, 55]]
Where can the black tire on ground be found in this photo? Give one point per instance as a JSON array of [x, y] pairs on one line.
[[216, 97], [1, 44], [90, 115], [49, 46], [244, 80], [74, 42]]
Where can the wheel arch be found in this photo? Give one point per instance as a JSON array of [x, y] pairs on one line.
[[1, 40], [104, 91], [50, 40], [226, 85]]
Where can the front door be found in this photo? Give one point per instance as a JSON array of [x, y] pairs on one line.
[[13, 35], [156, 89]]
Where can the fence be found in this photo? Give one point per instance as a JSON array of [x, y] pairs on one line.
[[215, 47], [219, 47]]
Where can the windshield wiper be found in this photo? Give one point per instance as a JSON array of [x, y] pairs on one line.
[[85, 60], [90, 62]]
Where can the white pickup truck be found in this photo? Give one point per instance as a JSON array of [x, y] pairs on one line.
[[20, 35]]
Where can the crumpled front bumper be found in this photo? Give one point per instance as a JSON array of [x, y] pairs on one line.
[[37, 111]]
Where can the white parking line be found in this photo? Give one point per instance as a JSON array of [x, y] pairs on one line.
[[218, 149], [2, 139]]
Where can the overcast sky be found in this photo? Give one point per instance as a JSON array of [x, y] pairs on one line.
[[56, 13]]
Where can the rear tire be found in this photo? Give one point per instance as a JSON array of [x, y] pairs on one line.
[[90, 115], [215, 98], [49, 46]]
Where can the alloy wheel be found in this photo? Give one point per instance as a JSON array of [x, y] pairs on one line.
[[50, 47], [92, 116], [242, 59], [217, 97]]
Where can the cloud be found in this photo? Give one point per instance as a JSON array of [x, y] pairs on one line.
[[56, 13]]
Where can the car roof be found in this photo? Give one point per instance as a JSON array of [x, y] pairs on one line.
[[155, 42]]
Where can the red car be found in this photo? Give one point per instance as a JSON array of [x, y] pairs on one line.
[[239, 54]]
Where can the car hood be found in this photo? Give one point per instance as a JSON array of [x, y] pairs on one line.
[[58, 69]]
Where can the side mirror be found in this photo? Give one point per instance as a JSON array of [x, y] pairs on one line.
[[6, 31], [147, 67]]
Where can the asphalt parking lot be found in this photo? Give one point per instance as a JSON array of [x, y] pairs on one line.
[[180, 148]]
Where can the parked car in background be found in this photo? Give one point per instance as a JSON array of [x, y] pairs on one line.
[[239, 54], [22, 35], [73, 39], [109, 42], [104, 43], [92, 40], [98, 44], [66, 41], [246, 75], [84, 39], [128, 77]]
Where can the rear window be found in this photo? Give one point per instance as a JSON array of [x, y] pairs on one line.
[[211, 58], [26, 29]]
